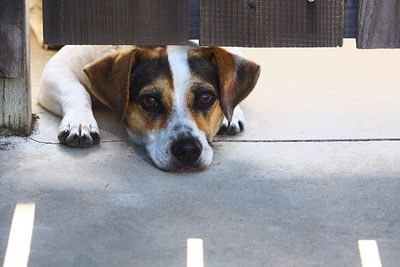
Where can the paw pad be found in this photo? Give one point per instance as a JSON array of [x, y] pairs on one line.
[[79, 135]]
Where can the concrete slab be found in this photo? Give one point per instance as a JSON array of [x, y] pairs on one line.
[[259, 204], [330, 93], [274, 205]]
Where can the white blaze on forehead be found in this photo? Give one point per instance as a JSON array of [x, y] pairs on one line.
[[179, 65]]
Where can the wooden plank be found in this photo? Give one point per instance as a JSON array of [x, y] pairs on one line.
[[350, 19], [15, 94], [150, 22], [11, 24], [378, 24], [272, 23]]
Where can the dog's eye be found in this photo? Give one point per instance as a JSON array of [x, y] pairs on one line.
[[205, 100], [150, 103]]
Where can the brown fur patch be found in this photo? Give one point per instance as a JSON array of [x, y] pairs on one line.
[[210, 121], [109, 79], [140, 121], [237, 77], [151, 75]]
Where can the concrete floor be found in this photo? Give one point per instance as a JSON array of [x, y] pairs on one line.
[[290, 191]]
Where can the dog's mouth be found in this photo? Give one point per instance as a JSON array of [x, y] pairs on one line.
[[183, 155]]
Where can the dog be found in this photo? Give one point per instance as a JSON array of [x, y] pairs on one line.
[[173, 100]]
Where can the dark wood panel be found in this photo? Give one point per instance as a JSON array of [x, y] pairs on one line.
[[149, 22], [350, 19], [379, 24], [11, 25], [272, 23]]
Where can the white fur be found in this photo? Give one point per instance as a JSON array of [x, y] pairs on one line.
[[63, 89], [178, 62], [63, 81], [237, 120]]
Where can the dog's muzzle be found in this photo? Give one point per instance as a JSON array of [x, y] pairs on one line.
[[180, 148], [187, 150]]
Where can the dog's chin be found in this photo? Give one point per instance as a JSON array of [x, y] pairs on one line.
[[175, 166]]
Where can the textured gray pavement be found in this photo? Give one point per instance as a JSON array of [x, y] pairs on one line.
[[261, 203]]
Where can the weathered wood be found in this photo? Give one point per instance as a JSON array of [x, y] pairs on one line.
[[15, 95], [350, 19], [272, 23], [11, 25], [149, 22], [379, 24]]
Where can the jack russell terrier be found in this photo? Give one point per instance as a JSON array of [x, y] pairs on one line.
[[173, 100]]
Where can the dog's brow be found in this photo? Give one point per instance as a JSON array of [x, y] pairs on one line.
[[151, 89], [204, 69], [147, 72], [202, 86]]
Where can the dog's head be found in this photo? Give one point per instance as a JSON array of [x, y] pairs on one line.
[[173, 100]]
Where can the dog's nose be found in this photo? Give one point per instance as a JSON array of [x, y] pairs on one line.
[[186, 150]]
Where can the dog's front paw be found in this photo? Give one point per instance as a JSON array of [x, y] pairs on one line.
[[237, 124], [79, 133]]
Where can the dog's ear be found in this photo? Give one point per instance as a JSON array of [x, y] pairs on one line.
[[109, 79], [237, 78]]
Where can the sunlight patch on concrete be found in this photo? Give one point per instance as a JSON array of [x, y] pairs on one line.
[[195, 256], [19, 242], [369, 253]]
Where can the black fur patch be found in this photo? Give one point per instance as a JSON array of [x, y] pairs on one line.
[[205, 69], [147, 71]]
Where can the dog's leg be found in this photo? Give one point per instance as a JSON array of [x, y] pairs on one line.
[[62, 93], [237, 124]]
